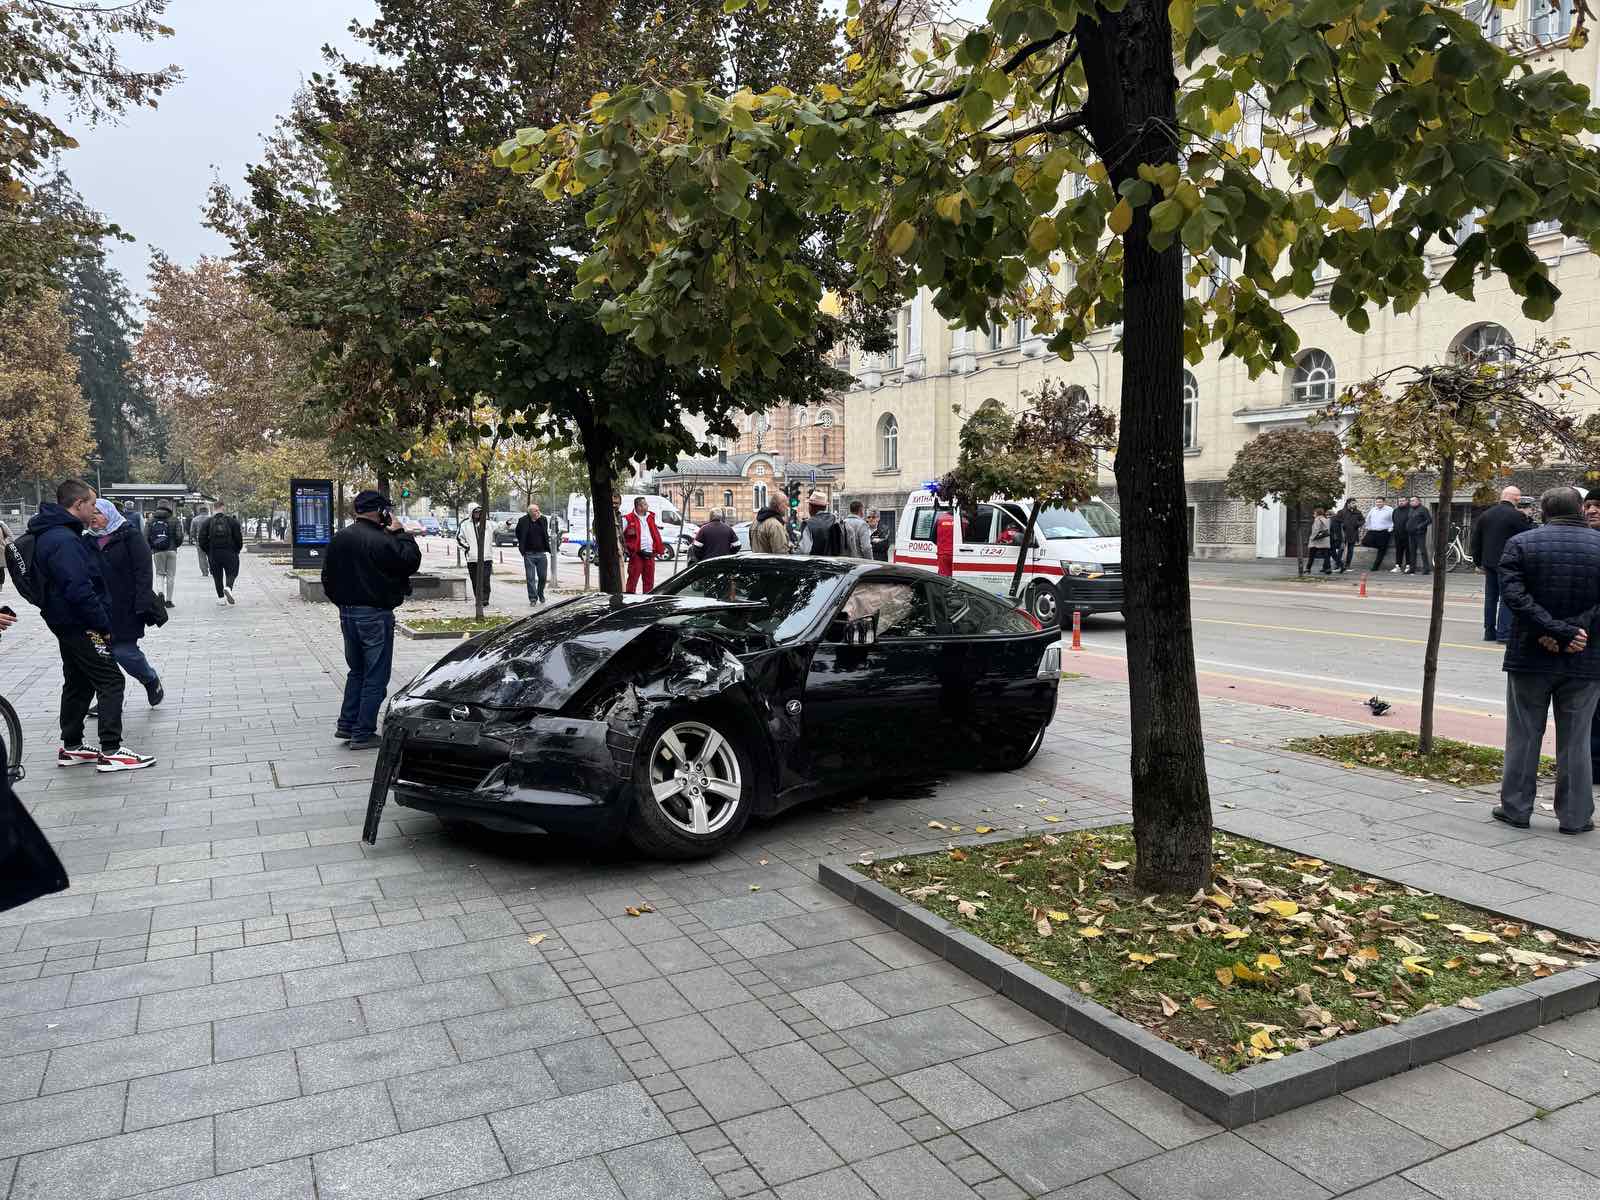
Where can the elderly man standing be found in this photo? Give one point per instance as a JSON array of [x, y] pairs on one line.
[[1550, 580], [1490, 533]]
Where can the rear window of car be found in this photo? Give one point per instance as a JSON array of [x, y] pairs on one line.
[[922, 525], [973, 613]]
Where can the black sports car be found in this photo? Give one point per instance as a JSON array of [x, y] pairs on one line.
[[742, 686]]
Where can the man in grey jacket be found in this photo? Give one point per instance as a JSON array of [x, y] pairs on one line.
[[857, 533]]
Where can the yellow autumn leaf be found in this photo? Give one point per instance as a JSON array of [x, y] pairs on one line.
[[1052, 819], [1429, 916], [1227, 118], [1370, 953], [957, 855], [599, 98], [1450, 964], [1202, 1004], [1284, 908], [1054, 915], [949, 207], [983, 829], [1137, 957], [1114, 866], [1218, 899], [535, 938], [1269, 962], [830, 93], [1097, 172], [901, 239], [1120, 218], [1261, 1040], [1245, 975], [1225, 976], [1413, 964], [1233, 933], [1091, 931]]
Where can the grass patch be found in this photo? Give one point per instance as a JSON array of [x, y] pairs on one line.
[[1451, 762], [1068, 676], [1283, 953], [457, 624]]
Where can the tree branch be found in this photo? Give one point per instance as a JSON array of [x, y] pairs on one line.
[[931, 99]]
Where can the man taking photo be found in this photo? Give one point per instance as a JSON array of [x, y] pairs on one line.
[[367, 572], [73, 600]]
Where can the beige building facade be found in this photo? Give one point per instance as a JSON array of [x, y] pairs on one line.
[[902, 417]]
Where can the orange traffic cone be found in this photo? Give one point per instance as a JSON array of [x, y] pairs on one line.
[[1363, 592], [1077, 630]]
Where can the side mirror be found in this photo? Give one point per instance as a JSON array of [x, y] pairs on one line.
[[863, 631]]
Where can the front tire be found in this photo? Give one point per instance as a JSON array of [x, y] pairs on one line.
[[1015, 758], [693, 786], [1044, 604]]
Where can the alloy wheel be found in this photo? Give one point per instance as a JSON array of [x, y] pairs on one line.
[[1043, 604], [695, 778]]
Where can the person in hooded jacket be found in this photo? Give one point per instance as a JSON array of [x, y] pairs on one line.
[[126, 564], [74, 603], [822, 533], [164, 534], [767, 535]]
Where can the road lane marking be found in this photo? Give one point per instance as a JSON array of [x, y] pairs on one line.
[[1367, 637]]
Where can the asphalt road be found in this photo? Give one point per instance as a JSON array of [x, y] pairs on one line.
[[1323, 648]]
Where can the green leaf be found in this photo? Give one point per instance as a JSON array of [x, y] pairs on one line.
[[1329, 183], [733, 6], [901, 238], [1042, 237], [1166, 216]]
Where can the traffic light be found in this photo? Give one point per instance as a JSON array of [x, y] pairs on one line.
[[405, 493], [794, 495]]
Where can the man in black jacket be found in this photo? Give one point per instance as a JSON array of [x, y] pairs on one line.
[[1550, 580], [367, 573], [1490, 533], [1418, 528], [533, 539], [221, 540], [1402, 537], [715, 538], [1349, 519]]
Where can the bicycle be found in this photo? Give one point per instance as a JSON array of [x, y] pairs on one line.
[[1455, 553]]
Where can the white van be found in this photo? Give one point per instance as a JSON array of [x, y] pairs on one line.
[[675, 531], [1075, 563]]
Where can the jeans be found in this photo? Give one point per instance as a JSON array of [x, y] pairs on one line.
[[537, 566], [205, 565], [1529, 697], [88, 671], [1344, 560], [1496, 616], [132, 660], [165, 564], [224, 564], [369, 653]]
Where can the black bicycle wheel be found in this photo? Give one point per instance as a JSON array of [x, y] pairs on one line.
[[12, 733]]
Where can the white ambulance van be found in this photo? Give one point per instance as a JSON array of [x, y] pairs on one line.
[[1074, 564]]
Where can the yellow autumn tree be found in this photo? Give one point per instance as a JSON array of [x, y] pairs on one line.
[[44, 419]]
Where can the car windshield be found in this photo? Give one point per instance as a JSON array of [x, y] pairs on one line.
[[793, 598], [1092, 520]]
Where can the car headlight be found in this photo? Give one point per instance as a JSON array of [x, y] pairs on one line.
[[1074, 567]]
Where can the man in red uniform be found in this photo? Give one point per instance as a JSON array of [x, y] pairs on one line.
[[944, 541], [641, 542]]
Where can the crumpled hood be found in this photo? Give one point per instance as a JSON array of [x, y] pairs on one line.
[[542, 661], [53, 516]]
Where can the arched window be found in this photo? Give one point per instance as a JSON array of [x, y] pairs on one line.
[[888, 443], [727, 499], [760, 496], [1077, 395], [825, 419], [1487, 343], [824, 447], [700, 499], [1191, 411], [1313, 381]]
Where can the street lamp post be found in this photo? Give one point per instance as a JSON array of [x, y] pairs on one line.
[[95, 461]]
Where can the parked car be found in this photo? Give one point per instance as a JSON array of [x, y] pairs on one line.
[[431, 526], [742, 686], [411, 525]]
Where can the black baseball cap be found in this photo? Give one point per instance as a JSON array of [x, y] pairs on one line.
[[372, 500]]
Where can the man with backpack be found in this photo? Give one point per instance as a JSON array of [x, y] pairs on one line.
[[822, 533], [165, 535], [57, 569], [221, 540]]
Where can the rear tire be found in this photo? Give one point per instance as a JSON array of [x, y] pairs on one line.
[[693, 785], [1015, 758]]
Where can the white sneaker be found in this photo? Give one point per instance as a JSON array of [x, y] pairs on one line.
[[125, 760], [221, 603], [1394, 570], [228, 592]]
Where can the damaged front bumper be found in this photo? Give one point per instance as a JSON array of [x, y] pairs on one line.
[[545, 774]]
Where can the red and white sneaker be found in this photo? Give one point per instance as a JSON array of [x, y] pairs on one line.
[[124, 760], [76, 756]]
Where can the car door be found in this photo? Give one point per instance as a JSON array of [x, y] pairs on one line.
[[876, 709], [1001, 699]]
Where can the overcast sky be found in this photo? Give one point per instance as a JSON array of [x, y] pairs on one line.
[[242, 62]]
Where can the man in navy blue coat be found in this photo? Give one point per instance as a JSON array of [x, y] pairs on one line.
[[73, 601], [1550, 580]]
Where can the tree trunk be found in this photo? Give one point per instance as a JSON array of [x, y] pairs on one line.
[[599, 454], [1027, 544], [1430, 660], [483, 544], [1128, 62]]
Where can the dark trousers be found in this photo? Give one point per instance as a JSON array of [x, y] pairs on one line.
[[1420, 562], [88, 672], [369, 655], [224, 563], [1379, 539], [479, 573], [1530, 697], [1402, 548], [536, 565], [1496, 616], [1348, 556], [1327, 559]]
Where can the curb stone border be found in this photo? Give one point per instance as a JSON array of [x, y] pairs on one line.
[[1261, 1091]]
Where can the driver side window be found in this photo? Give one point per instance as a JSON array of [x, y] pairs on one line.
[[902, 608]]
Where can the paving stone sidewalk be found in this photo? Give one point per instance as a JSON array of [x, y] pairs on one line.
[[237, 999]]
